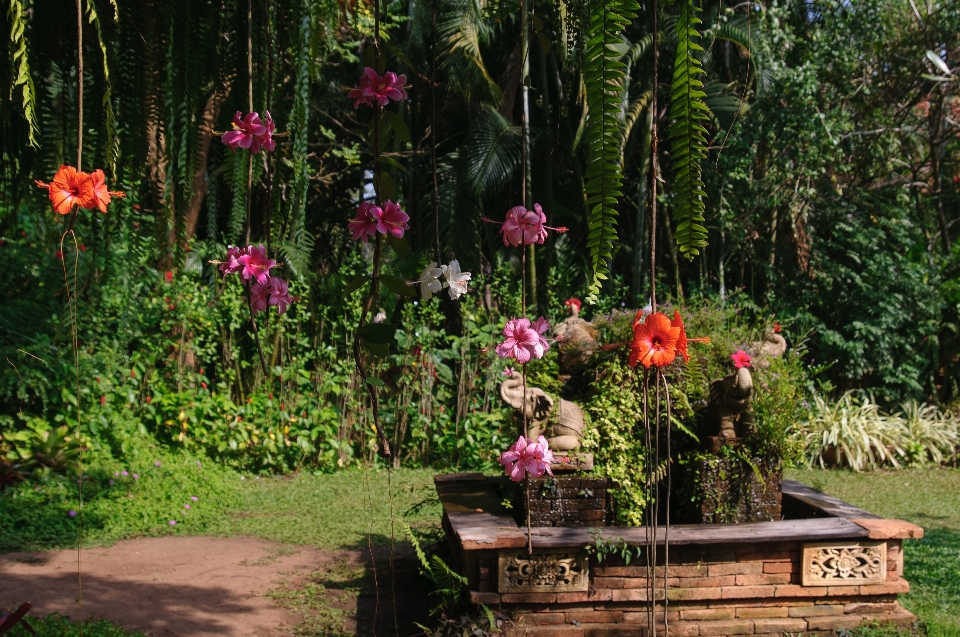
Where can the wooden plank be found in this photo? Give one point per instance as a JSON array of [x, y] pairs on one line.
[[564, 537], [890, 529], [821, 502], [452, 478]]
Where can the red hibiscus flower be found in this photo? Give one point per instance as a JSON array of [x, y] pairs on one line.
[[70, 188], [100, 189], [654, 341], [381, 88]]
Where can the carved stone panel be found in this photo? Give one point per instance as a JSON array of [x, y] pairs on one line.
[[844, 564], [561, 572]]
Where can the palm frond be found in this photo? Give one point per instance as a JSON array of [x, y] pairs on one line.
[[460, 34], [491, 153], [687, 134], [604, 76]]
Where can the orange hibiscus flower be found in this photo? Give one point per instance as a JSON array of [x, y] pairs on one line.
[[654, 341], [70, 188], [100, 187]]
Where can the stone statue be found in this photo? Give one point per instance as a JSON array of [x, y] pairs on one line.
[[772, 346], [729, 409], [563, 426], [576, 339]]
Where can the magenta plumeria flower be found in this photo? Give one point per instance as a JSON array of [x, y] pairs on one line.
[[522, 342], [255, 264], [525, 457], [364, 225], [392, 220], [249, 132], [381, 88]]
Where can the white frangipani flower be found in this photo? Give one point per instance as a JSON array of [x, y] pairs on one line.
[[456, 280], [430, 280]]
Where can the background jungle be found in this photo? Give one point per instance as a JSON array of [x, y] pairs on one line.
[[832, 193]]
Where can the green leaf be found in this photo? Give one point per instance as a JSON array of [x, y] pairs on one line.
[[390, 161], [377, 332], [371, 59], [399, 245], [380, 350], [400, 56], [355, 285], [537, 23], [387, 189], [397, 285], [544, 43], [373, 380], [397, 124]]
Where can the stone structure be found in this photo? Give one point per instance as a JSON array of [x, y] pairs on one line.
[[561, 422], [577, 500], [811, 575], [728, 415], [577, 342], [730, 491]]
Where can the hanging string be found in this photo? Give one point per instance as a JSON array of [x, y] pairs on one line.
[[250, 110], [72, 309], [648, 463], [433, 133], [666, 535], [654, 165]]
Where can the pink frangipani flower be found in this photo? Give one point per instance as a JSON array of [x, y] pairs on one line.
[[381, 88], [249, 132], [255, 264], [522, 342], [392, 220], [364, 225]]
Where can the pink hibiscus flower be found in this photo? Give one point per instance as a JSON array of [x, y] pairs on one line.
[[258, 296], [523, 227], [541, 325], [255, 264], [740, 359], [231, 265], [525, 457], [266, 140], [392, 220], [249, 132], [364, 225], [279, 294], [522, 342], [381, 88]]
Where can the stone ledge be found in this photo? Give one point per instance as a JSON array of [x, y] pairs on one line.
[[890, 529]]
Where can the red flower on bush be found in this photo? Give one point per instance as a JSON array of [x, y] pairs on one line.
[[654, 341], [168, 276], [740, 359]]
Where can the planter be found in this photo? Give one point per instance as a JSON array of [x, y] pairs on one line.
[[828, 566]]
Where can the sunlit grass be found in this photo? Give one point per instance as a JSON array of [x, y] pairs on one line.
[[927, 497]]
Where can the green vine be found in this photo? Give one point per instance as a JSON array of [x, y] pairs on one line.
[[21, 64]]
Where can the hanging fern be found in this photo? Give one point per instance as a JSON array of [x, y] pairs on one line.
[[113, 141], [21, 68], [604, 77], [687, 135]]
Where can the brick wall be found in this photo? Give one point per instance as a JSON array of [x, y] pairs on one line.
[[567, 501], [716, 590]]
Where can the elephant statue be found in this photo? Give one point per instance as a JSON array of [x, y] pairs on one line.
[[561, 424], [576, 340], [729, 410], [772, 346]]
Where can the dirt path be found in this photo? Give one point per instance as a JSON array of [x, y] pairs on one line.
[[174, 586]]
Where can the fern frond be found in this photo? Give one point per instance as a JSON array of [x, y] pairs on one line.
[[21, 68], [604, 77], [687, 135], [113, 141]]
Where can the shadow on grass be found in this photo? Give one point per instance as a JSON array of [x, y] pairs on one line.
[[932, 566]]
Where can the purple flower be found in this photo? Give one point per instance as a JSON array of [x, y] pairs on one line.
[[124, 473], [136, 476], [186, 506], [157, 463], [279, 294], [194, 498], [72, 513], [172, 523], [110, 483]]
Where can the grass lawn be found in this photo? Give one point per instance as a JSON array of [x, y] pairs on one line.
[[929, 498]]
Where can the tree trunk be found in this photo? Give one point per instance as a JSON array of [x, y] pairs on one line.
[[200, 183]]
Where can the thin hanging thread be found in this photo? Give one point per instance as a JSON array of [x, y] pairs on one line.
[[71, 304], [433, 133], [654, 166]]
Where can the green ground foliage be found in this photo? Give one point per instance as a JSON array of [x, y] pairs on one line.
[[930, 498], [59, 626]]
